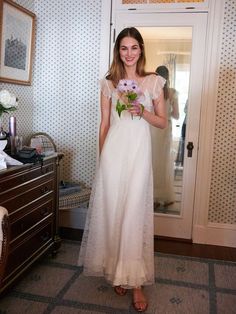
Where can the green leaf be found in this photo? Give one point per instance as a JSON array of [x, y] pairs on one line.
[[142, 109], [6, 110], [132, 96], [120, 107]]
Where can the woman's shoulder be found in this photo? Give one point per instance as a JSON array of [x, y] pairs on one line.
[[105, 81], [152, 79], [151, 76], [106, 86], [173, 92]]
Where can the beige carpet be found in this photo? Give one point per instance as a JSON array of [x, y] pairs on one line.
[[183, 286]]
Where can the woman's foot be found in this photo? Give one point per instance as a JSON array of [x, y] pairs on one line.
[[120, 291], [139, 300]]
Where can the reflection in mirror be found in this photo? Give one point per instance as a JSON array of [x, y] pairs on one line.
[[170, 48]]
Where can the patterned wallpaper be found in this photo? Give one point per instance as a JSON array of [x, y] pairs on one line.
[[222, 207], [66, 81], [63, 100], [24, 114]]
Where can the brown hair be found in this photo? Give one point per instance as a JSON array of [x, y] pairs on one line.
[[117, 70], [163, 71]]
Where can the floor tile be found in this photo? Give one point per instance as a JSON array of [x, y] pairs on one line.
[[181, 270], [44, 280]]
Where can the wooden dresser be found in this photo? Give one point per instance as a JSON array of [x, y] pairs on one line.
[[30, 194]]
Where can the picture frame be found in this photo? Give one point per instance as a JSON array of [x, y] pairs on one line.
[[17, 36]]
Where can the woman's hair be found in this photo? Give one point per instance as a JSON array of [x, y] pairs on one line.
[[164, 72], [117, 70]]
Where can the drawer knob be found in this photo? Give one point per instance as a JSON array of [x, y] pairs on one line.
[[44, 211], [45, 236], [44, 189], [46, 170], [22, 227]]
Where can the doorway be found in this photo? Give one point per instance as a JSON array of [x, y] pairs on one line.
[[176, 40]]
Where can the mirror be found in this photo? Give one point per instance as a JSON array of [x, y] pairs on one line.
[[171, 47]]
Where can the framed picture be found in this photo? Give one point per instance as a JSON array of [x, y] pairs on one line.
[[17, 32]]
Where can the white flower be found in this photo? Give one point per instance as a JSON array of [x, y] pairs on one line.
[[7, 100]]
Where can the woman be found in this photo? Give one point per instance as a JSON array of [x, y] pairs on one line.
[[118, 236], [162, 150]]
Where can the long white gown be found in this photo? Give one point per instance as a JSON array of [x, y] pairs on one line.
[[118, 236], [163, 156]]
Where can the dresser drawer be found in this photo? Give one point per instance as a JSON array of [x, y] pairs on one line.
[[28, 196], [30, 219], [21, 254], [24, 176], [20, 189]]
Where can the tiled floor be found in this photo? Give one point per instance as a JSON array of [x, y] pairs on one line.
[[184, 285]]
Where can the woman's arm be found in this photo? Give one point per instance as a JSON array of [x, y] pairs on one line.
[[175, 105], [105, 120]]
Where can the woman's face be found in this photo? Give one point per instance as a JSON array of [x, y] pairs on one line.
[[129, 51]]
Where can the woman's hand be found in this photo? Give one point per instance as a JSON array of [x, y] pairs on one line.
[[136, 110]]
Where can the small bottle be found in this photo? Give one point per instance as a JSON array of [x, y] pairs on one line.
[[12, 126], [12, 133]]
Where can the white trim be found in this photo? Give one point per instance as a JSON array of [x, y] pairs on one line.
[[215, 234], [105, 37], [208, 114], [163, 7]]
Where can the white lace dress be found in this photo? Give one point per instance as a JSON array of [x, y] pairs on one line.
[[118, 236], [163, 156]]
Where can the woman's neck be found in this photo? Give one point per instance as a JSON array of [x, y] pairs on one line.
[[131, 73]]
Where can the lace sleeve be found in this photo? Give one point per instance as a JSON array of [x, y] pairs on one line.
[[105, 89], [158, 85]]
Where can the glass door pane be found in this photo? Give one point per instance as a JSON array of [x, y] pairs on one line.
[[168, 49], [176, 40]]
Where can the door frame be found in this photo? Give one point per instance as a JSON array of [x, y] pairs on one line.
[[169, 225], [203, 231]]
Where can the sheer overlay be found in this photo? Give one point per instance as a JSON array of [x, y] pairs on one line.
[[163, 156], [118, 236]]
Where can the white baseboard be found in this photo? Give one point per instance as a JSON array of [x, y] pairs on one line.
[[215, 234]]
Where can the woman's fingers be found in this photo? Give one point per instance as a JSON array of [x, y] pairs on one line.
[[135, 110]]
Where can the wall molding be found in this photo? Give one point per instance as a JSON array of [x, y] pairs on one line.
[[105, 37], [208, 114], [215, 234]]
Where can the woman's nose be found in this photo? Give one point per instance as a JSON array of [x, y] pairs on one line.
[[129, 52]]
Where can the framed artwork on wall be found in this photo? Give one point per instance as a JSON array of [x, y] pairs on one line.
[[17, 35]]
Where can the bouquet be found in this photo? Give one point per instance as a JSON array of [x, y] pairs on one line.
[[130, 96], [8, 102]]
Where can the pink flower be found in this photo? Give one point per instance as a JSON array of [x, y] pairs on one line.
[[129, 95], [128, 86]]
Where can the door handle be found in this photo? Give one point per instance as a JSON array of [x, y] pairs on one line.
[[190, 148]]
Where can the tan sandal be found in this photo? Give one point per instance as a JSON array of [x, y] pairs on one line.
[[140, 303], [120, 291]]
